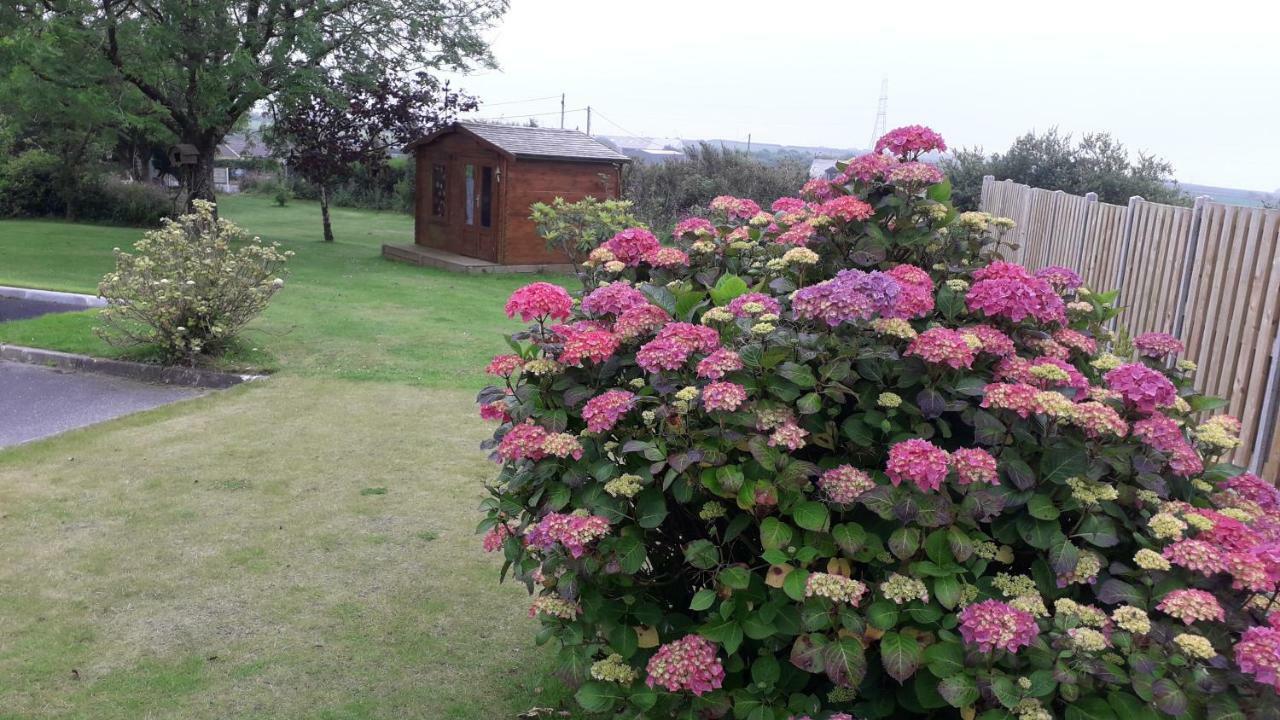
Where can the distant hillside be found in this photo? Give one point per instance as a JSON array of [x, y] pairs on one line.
[[1232, 196]]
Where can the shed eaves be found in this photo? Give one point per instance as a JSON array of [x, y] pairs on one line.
[[536, 142]]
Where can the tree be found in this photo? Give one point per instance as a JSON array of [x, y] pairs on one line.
[[324, 135], [203, 65], [1052, 160]]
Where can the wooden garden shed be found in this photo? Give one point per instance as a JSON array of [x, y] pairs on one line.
[[474, 185]]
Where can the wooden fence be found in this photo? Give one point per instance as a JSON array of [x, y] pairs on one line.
[[1209, 274]]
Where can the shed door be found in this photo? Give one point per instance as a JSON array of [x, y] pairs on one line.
[[478, 213]]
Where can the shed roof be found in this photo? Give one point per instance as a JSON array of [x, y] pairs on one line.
[[532, 142]]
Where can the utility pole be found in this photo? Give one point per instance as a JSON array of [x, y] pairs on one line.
[[588, 119], [748, 143], [882, 112], [561, 111]]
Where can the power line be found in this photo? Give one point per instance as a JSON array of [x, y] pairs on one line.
[[517, 102], [527, 115], [596, 110]]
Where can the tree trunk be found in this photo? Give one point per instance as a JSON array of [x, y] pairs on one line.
[[324, 212], [200, 175]]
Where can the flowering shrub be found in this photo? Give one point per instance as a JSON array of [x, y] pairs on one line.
[[842, 460], [577, 228], [186, 289]]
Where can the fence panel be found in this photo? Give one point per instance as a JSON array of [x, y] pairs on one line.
[[1153, 272], [1102, 246], [1071, 215]]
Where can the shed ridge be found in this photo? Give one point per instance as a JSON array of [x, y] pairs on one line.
[[531, 142]]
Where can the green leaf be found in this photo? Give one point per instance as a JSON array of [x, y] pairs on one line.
[[766, 670], [948, 591], [736, 578], [1128, 707], [900, 655], [882, 614], [630, 552], [1058, 464], [702, 554], [811, 515], [1041, 534], [939, 192], [944, 659], [1041, 506], [959, 690], [1090, 708], [651, 508], [1099, 530], [845, 662], [851, 537], [622, 638], [727, 288], [598, 697], [702, 599], [904, 542], [794, 584], [799, 374], [775, 534]]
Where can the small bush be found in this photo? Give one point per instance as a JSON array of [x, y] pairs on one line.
[[133, 204], [31, 185], [189, 287], [840, 460], [577, 228], [28, 185]]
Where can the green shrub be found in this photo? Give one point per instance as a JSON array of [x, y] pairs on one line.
[[840, 460], [189, 287], [31, 185], [577, 228], [28, 185]]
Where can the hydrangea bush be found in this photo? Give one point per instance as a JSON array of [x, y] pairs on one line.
[[838, 459], [189, 287]]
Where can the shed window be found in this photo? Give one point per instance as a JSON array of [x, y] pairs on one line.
[[471, 194], [437, 190], [486, 196]]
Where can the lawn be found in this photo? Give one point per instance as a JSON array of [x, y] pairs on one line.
[[345, 312], [299, 547]]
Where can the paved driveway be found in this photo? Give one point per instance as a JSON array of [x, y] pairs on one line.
[[37, 402]]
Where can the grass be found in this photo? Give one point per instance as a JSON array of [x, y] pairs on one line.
[[299, 547], [345, 311]]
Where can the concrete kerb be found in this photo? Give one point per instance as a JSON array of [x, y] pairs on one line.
[[52, 296], [143, 372]]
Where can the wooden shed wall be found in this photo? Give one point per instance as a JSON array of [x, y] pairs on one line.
[[529, 181], [447, 233]]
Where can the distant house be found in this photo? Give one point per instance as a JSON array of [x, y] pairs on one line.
[[653, 150], [824, 168], [474, 185]]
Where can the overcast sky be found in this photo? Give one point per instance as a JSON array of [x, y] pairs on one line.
[[1197, 84]]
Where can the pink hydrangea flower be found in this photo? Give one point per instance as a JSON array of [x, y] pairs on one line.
[[562, 445], [1141, 387], [1017, 397], [573, 532], [788, 435], [719, 363], [539, 301], [603, 411], [1191, 605], [638, 321], [1254, 489], [867, 168], [942, 346], [993, 341], [1061, 278], [844, 483], [1076, 340], [915, 176], [1158, 345], [689, 663], [918, 461], [846, 208], [1007, 290], [1258, 654], [850, 296], [734, 207], [798, 234], [911, 141], [632, 245], [974, 465], [737, 306], [699, 227], [915, 297], [613, 299], [992, 624], [494, 538], [495, 411], [662, 354], [723, 396], [1195, 555], [696, 338], [1163, 434], [1019, 369], [789, 205], [667, 257], [1096, 420], [523, 442], [504, 365], [594, 345], [817, 189]]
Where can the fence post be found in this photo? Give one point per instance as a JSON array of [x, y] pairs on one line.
[[1189, 258], [1091, 203], [984, 201], [1126, 241], [1270, 413]]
